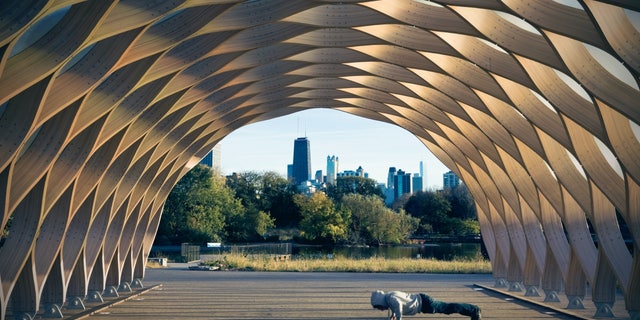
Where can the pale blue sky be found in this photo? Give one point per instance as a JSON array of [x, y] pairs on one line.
[[356, 141]]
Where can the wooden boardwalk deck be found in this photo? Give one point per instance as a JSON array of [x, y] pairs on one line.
[[180, 293]]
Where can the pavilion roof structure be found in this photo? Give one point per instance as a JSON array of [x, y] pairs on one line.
[[105, 104]]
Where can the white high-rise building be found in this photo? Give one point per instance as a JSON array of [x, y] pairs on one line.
[[217, 157], [423, 183], [332, 169]]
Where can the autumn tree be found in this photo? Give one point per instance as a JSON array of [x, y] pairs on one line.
[[321, 221], [373, 223]]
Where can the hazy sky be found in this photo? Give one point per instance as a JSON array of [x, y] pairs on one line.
[[356, 141]]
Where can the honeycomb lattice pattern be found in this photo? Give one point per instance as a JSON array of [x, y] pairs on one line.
[[105, 104]]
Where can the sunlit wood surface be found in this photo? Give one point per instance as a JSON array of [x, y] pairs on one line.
[[104, 105]]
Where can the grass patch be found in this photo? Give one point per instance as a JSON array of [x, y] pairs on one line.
[[341, 264]]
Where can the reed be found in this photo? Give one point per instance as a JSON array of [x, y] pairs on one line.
[[341, 264]]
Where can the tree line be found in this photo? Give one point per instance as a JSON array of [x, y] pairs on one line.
[[205, 206]]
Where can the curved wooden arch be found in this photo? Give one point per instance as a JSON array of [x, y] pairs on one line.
[[105, 104]]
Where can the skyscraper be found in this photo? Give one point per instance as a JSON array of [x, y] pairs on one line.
[[450, 180], [389, 192], [401, 183], [301, 160], [423, 181], [390, 176], [217, 157], [208, 159], [416, 183], [332, 169], [213, 158]]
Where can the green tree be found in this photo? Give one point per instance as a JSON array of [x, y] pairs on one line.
[[462, 205], [268, 192], [432, 209], [278, 194], [195, 209], [202, 208], [464, 227], [390, 227], [350, 184], [321, 222], [373, 223], [205, 220], [250, 225], [246, 186]]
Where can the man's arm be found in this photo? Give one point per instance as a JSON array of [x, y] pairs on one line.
[[396, 308]]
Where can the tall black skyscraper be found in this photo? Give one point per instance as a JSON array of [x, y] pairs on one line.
[[301, 160]]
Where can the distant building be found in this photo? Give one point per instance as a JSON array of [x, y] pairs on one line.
[[424, 178], [389, 192], [208, 159], [350, 173], [401, 184], [307, 187], [347, 173], [450, 180], [213, 158], [290, 172], [390, 177], [332, 169], [416, 183], [301, 160], [217, 157], [318, 176]]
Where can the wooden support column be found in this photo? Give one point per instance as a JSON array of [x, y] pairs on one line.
[[112, 280], [53, 294], [517, 250], [584, 255], [97, 280], [632, 298], [17, 265], [77, 288], [576, 283], [503, 249], [614, 259], [24, 299], [603, 290], [500, 270], [558, 251], [53, 288], [531, 276], [552, 278], [514, 272]]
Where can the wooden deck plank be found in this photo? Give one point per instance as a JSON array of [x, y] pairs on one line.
[[179, 293]]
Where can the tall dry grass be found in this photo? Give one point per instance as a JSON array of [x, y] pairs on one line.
[[341, 264]]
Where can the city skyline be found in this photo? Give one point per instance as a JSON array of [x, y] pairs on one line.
[[374, 145]]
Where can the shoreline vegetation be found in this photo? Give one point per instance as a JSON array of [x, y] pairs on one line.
[[285, 263]]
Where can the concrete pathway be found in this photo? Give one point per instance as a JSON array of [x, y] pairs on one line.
[[179, 293]]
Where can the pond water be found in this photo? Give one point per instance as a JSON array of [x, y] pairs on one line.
[[439, 251]]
